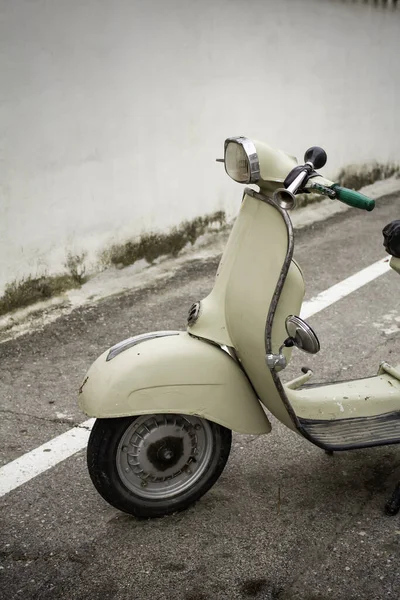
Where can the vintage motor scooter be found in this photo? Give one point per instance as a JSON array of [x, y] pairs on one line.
[[166, 402]]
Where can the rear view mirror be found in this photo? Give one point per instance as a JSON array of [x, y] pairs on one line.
[[301, 335]]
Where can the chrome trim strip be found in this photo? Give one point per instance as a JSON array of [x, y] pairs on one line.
[[298, 423], [258, 195], [137, 339]]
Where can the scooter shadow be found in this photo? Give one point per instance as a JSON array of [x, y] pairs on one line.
[[316, 481], [313, 484]]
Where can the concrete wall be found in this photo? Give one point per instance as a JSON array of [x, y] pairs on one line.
[[112, 112]]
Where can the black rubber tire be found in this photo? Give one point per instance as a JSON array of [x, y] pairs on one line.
[[101, 460], [392, 506]]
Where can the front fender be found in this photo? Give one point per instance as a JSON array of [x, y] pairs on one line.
[[173, 374]]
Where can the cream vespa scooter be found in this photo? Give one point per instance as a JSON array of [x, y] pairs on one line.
[[166, 402]]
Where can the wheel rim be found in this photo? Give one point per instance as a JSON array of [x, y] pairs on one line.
[[161, 456]]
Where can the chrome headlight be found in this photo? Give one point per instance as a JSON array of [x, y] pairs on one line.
[[241, 160]]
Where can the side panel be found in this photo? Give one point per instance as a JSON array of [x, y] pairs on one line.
[[350, 414], [235, 312], [175, 374], [249, 295], [367, 397]]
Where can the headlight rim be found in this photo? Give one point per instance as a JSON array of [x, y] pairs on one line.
[[251, 155]]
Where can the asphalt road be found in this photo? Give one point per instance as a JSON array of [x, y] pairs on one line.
[[284, 522]]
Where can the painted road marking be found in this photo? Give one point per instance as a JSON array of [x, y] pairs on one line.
[[344, 288], [39, 460], [29, 465]]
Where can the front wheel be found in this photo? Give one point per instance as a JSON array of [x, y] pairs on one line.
[[154, 465]]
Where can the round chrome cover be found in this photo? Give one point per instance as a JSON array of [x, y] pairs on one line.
[[160, 456], [302, 335]]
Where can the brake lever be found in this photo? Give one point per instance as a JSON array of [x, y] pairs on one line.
[[314, 158], [294, 173], [294, 182]]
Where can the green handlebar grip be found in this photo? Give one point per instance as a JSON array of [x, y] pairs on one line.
[[353, 198]]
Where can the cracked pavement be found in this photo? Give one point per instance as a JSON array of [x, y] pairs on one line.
[[284, 522]]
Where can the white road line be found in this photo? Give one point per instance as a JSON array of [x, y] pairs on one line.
[[29, 465], [344, 288]]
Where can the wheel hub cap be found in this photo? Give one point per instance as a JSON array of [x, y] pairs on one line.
[[162, 455]]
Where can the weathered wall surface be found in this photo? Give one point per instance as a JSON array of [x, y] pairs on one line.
[[112, 113]]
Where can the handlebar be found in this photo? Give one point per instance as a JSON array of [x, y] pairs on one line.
[[353, 198], [302, 178]]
